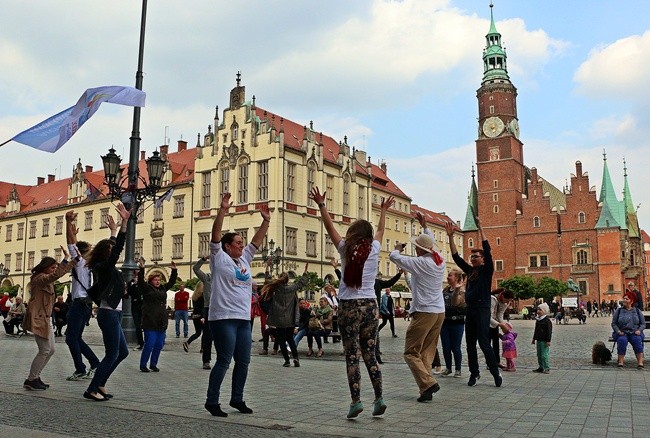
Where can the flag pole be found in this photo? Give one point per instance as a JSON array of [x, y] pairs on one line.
[[2, 144]]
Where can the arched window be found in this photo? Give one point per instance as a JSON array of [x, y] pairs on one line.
[[581, 257], [311, 180], [470, 242], [346, 194], [582, 217], [537, 222]]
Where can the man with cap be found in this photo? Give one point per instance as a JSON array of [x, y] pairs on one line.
[[542, 335], [478, 299], [427, 309]]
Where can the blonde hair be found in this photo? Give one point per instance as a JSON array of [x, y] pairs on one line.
[[198, 291]]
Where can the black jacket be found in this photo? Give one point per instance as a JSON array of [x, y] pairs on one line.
[[154, 305], [543, 330], [108, 278], [479, 279]]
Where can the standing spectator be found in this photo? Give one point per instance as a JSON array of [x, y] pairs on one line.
[[387, 310], [154, 315], [631, 288], [15, 316], [102, 260], [80, 308], [542, 335], [595, 309], [499, 302], [181, 306], [136, 307], [38, 319], [509, 346], [453, 327], [4, 306], [628, 324], [206, 338], [588, 307], [478, 299], [197, 315], [59, 315], [358, 309], [230, 310], [427, 271], [284, 314]]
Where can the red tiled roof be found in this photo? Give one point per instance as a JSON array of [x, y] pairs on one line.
[[55, 194], [381, 181], [645, 238], [432, 217]]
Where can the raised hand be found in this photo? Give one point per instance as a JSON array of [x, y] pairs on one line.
[[449, 228], [66, 254], [123, 212], [70, 216], [173, 265], [266, 214], [225, 201], [334, 263], [421, 220], [316, 195], [306, 267], [387, 203]]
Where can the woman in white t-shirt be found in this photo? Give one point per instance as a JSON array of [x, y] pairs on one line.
[[358, 311], [229, 314]]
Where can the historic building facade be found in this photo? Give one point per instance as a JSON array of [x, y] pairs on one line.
[[535, 228]]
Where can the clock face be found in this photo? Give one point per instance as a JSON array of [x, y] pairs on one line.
[[514, 127], [493, 126]]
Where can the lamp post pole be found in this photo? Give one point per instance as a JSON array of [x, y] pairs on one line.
[[129, 265]]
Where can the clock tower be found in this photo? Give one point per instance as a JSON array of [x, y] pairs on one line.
[[499, 154]]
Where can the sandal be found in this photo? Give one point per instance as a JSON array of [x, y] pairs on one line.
[[320, 353], [620, 365], [640, 366], [310, 353]]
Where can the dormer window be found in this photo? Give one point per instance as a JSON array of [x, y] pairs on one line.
[[582, 217], [537, 222]]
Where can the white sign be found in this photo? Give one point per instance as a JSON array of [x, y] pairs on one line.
[[569, 302]]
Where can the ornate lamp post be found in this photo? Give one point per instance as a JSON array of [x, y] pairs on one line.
[[275, 255], [4, 272]]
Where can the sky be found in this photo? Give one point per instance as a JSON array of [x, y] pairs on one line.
[[398, 78]]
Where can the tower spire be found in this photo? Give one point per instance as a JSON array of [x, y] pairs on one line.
[[472, 206], [612, 213], [494, 54]]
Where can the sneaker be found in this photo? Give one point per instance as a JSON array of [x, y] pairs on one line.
[[445, 372], [472, 379], [437, 371], [154, 368], [138, 348], [264, 353], [538, 370], [34, 385], [43, 383], [144, 369], [296, 363], [206, 366], [186, 347], [394, 336], [76, 376], [427, 394], [90, 373], [546, 371], [378, 407], [457, 373], [498, 380], [355, 410]]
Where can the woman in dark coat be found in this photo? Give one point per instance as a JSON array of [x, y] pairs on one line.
[[154, 316]]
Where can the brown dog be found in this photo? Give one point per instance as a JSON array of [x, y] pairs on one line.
[[600, 354]]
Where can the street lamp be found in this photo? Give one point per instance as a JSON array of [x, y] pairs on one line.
[[4, 272], [132, 196], [274, 255]]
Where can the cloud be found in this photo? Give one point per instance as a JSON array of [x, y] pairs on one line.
[[615, 71]]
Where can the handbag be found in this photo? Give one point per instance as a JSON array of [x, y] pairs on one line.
[[314, 323]]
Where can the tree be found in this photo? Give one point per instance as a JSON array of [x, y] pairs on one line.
[[548, 288], [314, 282], [398, 287], [523, 286]]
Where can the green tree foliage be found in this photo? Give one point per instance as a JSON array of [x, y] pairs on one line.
[[59, 288], [523, 286], [314, 282], [548, 288], [11, 290], [399, 287]]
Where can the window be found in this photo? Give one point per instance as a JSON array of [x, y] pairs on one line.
[[138, 249], [103, 217], [88, 222], [9, 229], [495, 197], [470, 242], [346, 194], [498, 241], [311, 180], [495, 183], [158, 212], [243, 232], [8, 261], [58, 255], [330, 193], [533, 262], [224, 179], [329, 248], [205, 190], [204, 244], [262, 181], [177, 246], [498, 265], [374, 199], [388, 268], [538, 261], [59, 226], [243, 184], [20, 232], [44, 253], [582, 217], [179, 206], [495, 209], [396, 225], [30, 260], [388, 245], [46, 227], [19, 261], [362, 202], [311, 244], [406, 227], [582, 284], [292, 241], [581, 257], [536, 222], [139, 216], [156, 248], [291, 181], [234, 130], [32, 230], [543, 261]]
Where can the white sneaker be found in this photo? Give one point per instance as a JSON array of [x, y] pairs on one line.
[[457, 373], [90, 373]]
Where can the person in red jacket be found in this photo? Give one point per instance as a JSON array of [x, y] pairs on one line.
[[181, 298], [4, 305]]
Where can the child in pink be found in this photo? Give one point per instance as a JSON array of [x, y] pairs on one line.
[[509, 347]]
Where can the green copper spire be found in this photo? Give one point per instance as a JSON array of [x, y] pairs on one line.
[[472, 207], [632, 220], [612, 213], [494, 55]]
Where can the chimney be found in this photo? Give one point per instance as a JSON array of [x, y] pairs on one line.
[[182, 145], [143, 155], [384, 168], [163, 151], [89, 169], [50, 178], [578, 168], [40, 180]]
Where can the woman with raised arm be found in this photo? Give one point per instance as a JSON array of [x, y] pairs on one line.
[[102, 260], [230, 307], [38, 319], [358, 311]]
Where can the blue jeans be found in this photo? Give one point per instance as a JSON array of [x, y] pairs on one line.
[[451, 336], [477, 329], [298, 336], [178, 316], [234, 337], [635, 340], [153, 343], [116, 349], [78, 314]]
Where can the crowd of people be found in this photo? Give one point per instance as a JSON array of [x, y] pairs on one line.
[[226, 301]]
